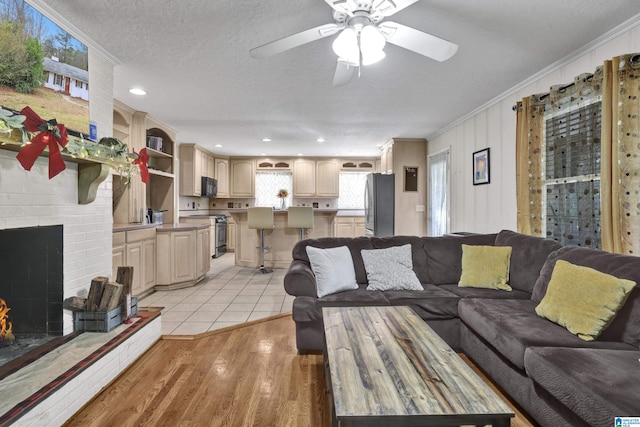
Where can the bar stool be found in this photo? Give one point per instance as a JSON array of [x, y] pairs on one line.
[[300, 217], [260, 218]]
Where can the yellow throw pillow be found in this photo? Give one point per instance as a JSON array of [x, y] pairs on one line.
[[485, 267], [583, 300]]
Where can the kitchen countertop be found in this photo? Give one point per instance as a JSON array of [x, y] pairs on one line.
[[159, 227], [280, 211]]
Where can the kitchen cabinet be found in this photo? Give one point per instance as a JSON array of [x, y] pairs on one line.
[[203, 257], [182, 249], [358, 165], [270, 164], [327, 177], [304, 178], [316, 178], [212, 230], [193, 166], [231, 235], [348, 226], [136, 248], [222, 175], [242, 176]]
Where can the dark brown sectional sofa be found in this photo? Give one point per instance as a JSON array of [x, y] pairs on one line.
[[558, 378]]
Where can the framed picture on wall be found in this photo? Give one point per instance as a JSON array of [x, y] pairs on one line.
[[410, 178], [481, 173]]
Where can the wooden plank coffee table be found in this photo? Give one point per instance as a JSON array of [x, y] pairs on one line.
[[385, 366]]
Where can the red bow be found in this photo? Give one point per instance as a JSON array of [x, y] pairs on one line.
[[142, 161], [51, 134]]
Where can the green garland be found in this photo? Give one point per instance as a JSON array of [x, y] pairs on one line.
[[110, 151]]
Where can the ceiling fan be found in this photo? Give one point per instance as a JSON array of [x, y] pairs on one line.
[[363, 35]]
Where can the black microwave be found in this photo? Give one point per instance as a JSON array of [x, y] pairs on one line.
[[209, 187]]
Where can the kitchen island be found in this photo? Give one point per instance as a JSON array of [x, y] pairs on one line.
[[280, 239]]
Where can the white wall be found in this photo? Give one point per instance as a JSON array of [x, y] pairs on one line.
[[30, 198], [492, 207]]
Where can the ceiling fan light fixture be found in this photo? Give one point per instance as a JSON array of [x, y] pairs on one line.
[[369, 58], [346, 45], [372, 43]]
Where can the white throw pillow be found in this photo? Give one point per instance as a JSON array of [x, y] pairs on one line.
[[333, 268], [390, 269]]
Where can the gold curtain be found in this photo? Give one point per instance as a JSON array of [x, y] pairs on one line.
[[529, 142], [609, 185], [628, 152]]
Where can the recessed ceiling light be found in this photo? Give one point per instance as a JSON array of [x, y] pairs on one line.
[[218, 145], [266, 140], [320, 140], [137, 91], [263, 154], [300, 154]]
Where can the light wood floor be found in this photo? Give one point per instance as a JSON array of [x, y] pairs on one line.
[[242, 376]]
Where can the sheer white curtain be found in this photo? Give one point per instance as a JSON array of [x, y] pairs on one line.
[[439, 193]]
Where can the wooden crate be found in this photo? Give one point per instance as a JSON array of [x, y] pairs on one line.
[[97, 321]]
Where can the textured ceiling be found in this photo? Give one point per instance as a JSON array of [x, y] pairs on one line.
[[193, 59]]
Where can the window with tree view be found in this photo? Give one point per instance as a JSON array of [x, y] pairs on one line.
[[572, 176]]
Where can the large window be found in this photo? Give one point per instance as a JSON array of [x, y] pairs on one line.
[[267, 186], [572, 176], [352, 190]]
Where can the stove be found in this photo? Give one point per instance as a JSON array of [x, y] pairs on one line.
[[221, 235]]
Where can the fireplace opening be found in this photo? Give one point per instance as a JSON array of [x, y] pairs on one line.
[[31, 289]]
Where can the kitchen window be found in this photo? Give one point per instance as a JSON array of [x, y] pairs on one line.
[[267, 186], [351, 194]]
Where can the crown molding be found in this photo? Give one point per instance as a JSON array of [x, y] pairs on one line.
[[605, 38], [61, 21]]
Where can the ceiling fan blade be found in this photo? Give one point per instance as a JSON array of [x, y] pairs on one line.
[[425, 44], [389, 7], [295, 40], [344, 73]]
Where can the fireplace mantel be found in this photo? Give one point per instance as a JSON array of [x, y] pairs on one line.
[[91, 172]]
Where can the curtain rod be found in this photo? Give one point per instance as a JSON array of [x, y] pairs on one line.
[[561, 89]]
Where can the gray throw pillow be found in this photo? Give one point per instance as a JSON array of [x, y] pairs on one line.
[[333, 269], [390, 269]]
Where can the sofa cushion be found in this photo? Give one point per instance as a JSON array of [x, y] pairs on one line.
[[527, 257], [485, 293], [333, 268], [582, 299], [431, 303], [309, 309], [418, 255], [355, 245], [511, 326], [390, 269], [444, 256], [485, 267], [597, 385], [626, 325]]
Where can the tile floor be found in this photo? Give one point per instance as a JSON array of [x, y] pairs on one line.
[[229, 295]]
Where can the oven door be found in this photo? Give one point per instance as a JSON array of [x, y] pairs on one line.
[[221, 238]]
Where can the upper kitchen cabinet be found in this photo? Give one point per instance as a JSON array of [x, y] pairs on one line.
[[272, 164], [222, 175], [242, 176], [358, 165], [193, 166], [315, 178]]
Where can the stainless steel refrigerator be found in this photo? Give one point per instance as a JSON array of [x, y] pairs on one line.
[[379, 205]]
